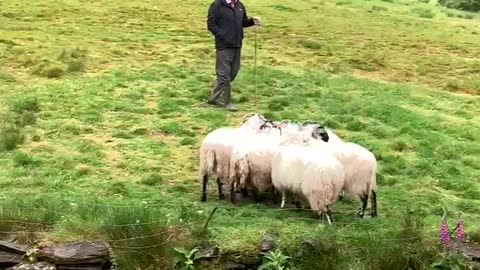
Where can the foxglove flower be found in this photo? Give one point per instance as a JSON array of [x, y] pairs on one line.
[[444, 235], [460, 233]]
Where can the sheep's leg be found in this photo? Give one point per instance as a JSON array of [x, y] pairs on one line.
[[284, 196], [220, 190], [232, 192], [244, 192], [328, 214], [363, 206], [275, 195], [204, 187], [256, 195], [373, 206]]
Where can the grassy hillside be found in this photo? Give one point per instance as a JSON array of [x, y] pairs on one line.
[[102, 116]]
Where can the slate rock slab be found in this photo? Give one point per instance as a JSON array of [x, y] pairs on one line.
[[80, 267], [13, 247], [472, 250], [267, 243], [8, 259], [11, 253], [75, 253]]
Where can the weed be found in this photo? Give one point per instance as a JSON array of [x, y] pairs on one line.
[[49, 69], [283, 8], [75, 59], [23, 159], [25, 104], [379, 8], [311, 44], [10, 138], [423, 12], [186, 260], [153, 179], [275, 260]]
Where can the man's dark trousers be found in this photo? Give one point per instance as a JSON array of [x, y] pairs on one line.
[[226, 67]]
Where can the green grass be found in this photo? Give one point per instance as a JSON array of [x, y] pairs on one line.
[[102, 117]]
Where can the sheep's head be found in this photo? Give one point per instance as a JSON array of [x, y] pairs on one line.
[[270, 127], [317, 131], [253, 120]]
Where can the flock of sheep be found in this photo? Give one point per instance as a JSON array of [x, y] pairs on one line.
[[305, 160]]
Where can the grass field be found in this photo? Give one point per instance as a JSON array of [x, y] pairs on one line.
[[102, 116]]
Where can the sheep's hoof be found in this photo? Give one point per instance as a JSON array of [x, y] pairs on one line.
[[204, 197], [221, 197]]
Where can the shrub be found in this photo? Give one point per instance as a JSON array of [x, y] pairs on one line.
[[466, 5], [49, 69], [10, 138], [25, 104], [424, 12], [23, 159], [74, 59], [310, 44]]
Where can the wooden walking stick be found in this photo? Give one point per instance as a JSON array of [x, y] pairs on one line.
[[255, 68]]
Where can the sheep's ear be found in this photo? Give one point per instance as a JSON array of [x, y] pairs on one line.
[[309, 122], [247, 116], [320, 133]]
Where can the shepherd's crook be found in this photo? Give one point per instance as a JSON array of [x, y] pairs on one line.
[[255, 67]]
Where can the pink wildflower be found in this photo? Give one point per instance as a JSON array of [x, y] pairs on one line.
[[460, 233], [445, 236]]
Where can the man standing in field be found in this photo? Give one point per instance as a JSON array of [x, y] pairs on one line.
[[226, 20]]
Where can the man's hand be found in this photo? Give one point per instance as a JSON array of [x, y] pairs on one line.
[[257, 20]]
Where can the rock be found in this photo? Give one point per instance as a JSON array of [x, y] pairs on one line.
[[80, 267], [268, 243], [12, 247], [208, 251], [8, 259], [75, 253], [246, 260], [311, 246], [472, 250], [234, 265], [33, 266]]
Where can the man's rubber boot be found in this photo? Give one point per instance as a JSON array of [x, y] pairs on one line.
[[227, 93], [216, 92]]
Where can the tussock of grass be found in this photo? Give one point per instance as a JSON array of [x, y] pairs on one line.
[[119, 146]]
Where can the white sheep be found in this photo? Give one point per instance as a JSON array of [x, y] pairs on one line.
[[302, 170], [215, 152], [360, 168], [251, 156], [251, 160]]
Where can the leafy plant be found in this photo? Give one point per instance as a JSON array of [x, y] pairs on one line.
[[275, 260], [186, 260], [451, 259]]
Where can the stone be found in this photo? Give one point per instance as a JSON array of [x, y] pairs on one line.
[[267, 243], [33, 266], [75, 253], [208, 251], [13, 247], [8, 259], [234, 265], [80, 267], [246, 260], [472, 250]]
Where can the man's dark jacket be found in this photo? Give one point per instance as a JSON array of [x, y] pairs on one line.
[[227, 24]]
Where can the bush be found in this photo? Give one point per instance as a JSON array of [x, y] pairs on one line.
[[74, 59], [23, 159], [467, 5], [49, 69], [424, 12], [10, 137]]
